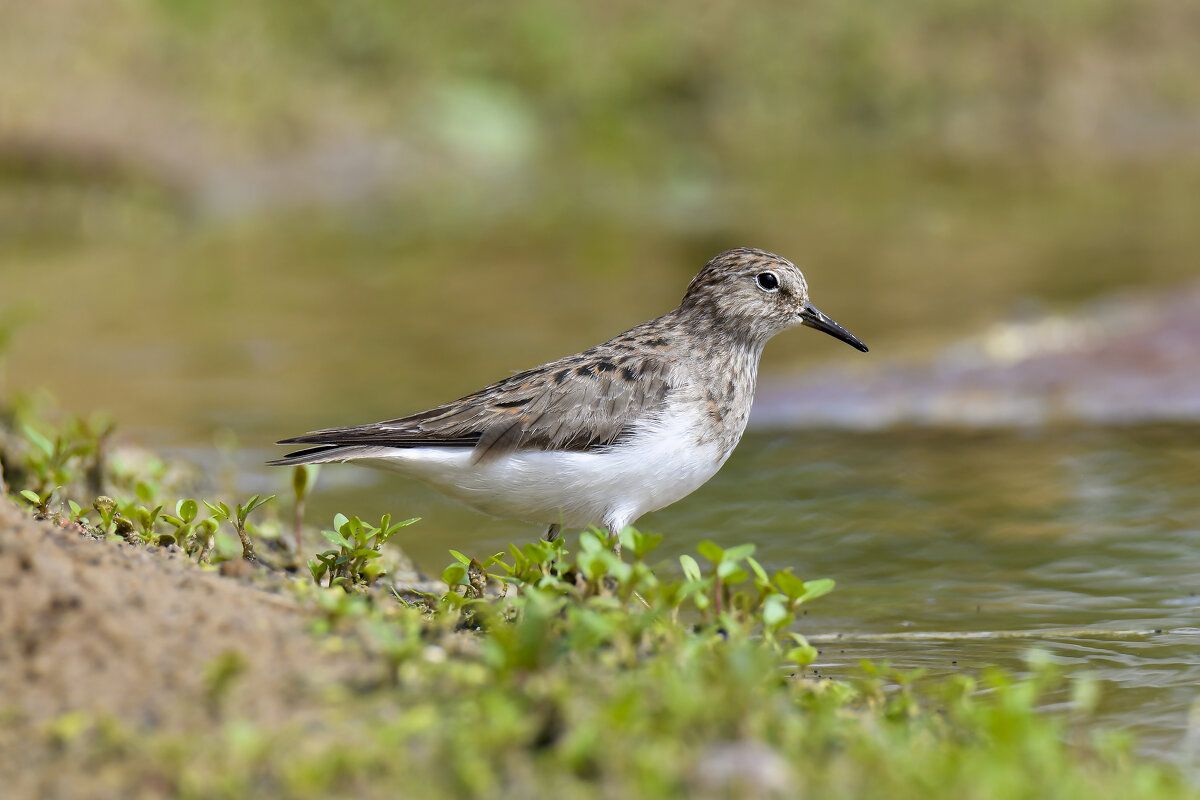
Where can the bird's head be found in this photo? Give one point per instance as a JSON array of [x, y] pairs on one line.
[[756, 295]]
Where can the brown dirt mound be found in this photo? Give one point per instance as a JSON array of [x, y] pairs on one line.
[[143, 635]]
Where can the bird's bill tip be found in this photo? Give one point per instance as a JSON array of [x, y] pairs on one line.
[[812, 317]]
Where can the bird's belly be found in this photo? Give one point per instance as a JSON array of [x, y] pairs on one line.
[[653, 468]]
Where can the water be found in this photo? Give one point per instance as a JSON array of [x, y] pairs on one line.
[[952, 551]]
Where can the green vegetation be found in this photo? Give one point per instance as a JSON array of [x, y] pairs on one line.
[[550, 671], [358, 545]]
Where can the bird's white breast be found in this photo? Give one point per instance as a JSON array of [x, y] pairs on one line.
[[662, 461]]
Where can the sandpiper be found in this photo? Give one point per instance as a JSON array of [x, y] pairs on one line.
[[603, 436]]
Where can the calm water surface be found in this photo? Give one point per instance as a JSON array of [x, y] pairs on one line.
[[1058, 536]]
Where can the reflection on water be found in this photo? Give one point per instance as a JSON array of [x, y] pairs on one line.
[[1078, 531]]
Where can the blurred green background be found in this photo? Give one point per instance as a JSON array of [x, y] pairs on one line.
[[274, 216]]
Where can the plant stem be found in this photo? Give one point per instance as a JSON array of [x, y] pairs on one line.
[[299, 523], [247, 545]]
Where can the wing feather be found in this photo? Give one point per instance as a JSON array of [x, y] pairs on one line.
[[584, 402]]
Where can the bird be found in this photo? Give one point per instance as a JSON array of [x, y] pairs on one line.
[[602, 437]]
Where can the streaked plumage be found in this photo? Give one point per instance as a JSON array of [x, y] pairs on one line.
[[606, 435]]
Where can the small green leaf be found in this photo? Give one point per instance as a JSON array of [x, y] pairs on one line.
[[648, 544], [817, 588], [459, 557], [691, 570], [187, 510], [317, 569], [257, 502], [759, 572], [337, 538], [39, 441], [774, 612], [802, 655], [536, 553], [711, 551], [366, 552], [789, 584], [739, 552], [220, 510], [31, 496], [594, 565], [363, 534], [731, 573], [589, 542], [339, 521], [454, 575]]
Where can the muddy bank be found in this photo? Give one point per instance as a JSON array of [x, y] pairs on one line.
[[141, 635], [1126, 359]]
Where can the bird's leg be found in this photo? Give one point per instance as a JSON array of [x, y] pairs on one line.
[[616, 543], [552, 532], [617, 553]]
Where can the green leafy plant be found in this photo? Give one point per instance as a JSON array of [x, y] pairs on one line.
[[106, 508], [78, 514], [358, 545], [304, 476], [39, 502], [146, 517], [72, 453], [203, 539], [183, 521], [735, 597], [238, 517]]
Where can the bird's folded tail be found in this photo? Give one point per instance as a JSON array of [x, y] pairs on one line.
[[323, 454]]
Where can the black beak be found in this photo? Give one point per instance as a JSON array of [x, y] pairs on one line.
[[815, 319]]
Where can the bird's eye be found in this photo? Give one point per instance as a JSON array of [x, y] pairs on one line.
[[767, 281]]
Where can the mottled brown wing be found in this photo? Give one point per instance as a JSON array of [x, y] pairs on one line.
[[583, 403]]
